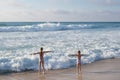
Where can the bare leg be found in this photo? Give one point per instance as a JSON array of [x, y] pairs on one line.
[[78, 67], [39, 67], [43, 67]]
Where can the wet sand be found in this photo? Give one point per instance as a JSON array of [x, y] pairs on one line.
[[100, 70]]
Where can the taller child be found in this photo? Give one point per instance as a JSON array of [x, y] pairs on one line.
[[41, 59]]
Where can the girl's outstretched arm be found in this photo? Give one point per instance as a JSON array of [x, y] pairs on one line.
[[72, 55], [47, 51], [35, 53]]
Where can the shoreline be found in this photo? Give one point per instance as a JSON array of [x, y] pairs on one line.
[[108, 69]]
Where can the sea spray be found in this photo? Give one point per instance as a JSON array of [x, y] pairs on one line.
[[17, 46]]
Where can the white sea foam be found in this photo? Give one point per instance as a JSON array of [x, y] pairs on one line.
[[47, 26], [16, 47], [54, 26]]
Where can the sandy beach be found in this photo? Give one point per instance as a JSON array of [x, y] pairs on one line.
[[100, 70]]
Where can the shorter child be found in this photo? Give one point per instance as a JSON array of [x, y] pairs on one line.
[[78, 67]]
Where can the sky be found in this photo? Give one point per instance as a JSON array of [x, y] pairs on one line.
[[60, 10]]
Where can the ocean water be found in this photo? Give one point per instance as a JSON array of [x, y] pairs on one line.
[[99, 40]]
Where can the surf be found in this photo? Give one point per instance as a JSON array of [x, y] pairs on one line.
[[54, 26], [17, 46]]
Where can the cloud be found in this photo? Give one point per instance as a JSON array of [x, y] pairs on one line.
[[60, 15], [38, 15], [17, 10], [112, 2], [13, 4], [62, 12], [106, 2], [109, 13], [105, 15], [19, 4]]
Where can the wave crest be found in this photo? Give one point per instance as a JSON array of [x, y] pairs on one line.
[[44, 27], [56, 26]]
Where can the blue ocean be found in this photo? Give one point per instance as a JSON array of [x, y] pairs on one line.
[[98, 40]]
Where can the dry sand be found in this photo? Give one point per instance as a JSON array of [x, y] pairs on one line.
[[101, 70]]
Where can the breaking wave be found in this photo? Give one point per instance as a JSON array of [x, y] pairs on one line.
[[55, 26]]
